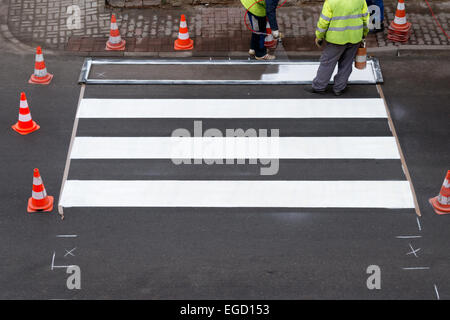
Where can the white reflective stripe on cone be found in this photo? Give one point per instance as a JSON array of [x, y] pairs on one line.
[[360, 58], [183, 24], [401, 6], [24, 117], [38, 195], [37, 181], [446, 183], [23, 104], [40, 73], [114, 40], [39, 58], [114, 26], [443, 200], [398, 20], [183, 36]]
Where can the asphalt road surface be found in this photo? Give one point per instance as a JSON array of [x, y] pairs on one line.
[[223, 253]]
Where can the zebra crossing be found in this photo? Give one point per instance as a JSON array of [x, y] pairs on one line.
[[330, 153]]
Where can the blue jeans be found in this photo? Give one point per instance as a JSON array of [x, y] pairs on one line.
[[258, 24]]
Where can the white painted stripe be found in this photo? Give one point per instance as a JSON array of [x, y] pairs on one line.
[[307, 72], [183, 24], [399, 20], [361, 58], [24, 117], [38, 195], [183, 36], [37, 181], [23, 104], [115, 40], [443, 200], [232, 108], [400, 6], [235, 148], [437, 292], [40, 72], [408, 237], [39, 58], [288, 194]]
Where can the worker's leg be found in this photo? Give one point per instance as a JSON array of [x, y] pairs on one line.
[[258, 24], [328, 60], [261, 50], [345, 66], [253, 40]]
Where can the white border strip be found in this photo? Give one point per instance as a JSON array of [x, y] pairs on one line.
[[282, 194], [232, 108], [235, 148]]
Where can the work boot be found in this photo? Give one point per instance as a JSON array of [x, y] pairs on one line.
[[266, 57], [339, 93], [252, 53], [310, 89]]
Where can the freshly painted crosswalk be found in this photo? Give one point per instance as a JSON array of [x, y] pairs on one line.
[[232, 108], [235, 148], [106, 143], [270, 194]]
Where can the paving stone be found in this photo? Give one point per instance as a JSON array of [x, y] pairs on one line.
[[46, 21]]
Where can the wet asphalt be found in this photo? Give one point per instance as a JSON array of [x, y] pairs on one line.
[[191, 253]]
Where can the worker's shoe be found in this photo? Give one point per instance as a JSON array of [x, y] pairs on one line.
[[310, 89], [339, 93], [252, 53], [266, 57]]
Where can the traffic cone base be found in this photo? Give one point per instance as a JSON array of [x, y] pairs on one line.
[[115, 46], [44, 80], [180, 46], [438, 208], [441, 203], [401, 29], [24, 131], [48, 207]]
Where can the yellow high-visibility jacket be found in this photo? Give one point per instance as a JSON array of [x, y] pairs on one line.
[[343, 21], [258, 9]]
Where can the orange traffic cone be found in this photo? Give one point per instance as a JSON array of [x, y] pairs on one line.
[[25, 125], [361, 57], [441, 203], [114, 42], [39, 200], [399, 30], [40, 76], [269, 41], [183, 42]]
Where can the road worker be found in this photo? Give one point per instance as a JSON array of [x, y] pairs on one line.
[[343, 24], [260, 11]]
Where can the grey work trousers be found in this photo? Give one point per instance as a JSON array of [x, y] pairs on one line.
[[343, 55]]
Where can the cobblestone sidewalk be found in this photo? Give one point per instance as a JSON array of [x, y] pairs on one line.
[[83, 25]]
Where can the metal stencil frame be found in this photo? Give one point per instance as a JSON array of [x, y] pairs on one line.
[[89, 62]]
